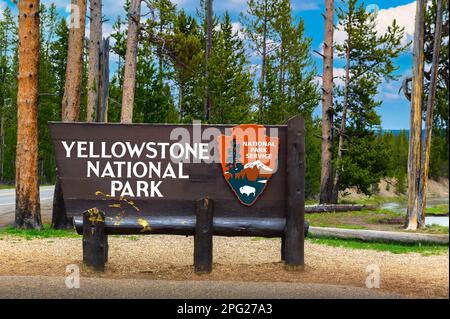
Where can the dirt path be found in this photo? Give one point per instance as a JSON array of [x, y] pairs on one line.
[[235, 259], [98, 288]]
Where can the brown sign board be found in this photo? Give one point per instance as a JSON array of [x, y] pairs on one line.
[[200, 180], [84, 190]]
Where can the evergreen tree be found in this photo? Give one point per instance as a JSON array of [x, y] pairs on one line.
[[257, 27], [185, 43], [8, 94], [369, 59], [230, 80]]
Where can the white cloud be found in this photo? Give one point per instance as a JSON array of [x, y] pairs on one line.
[[110, 9], [236, 27], [338, 74], [404, 15]]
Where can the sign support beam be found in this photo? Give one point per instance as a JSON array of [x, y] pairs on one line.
[[294, 231], [203, 239]]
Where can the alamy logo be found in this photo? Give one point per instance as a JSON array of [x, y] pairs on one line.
[[249, 158]]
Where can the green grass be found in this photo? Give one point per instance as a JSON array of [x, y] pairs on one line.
[[47, 232], [437, 210], [423, 249], [345, 226], [374, 200], [435, 229], [350, 220]]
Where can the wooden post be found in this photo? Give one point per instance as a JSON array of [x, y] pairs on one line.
[[95, 244], [294, 232], [203, 239]]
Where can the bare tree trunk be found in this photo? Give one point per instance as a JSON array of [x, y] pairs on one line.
[[159, 50], [71, 101], [413, 222], [326, 181], [130, 62], [425, 160], [181, 100], [74, 72], [263, 63], [209, 26], [95, 38], [28, 214], [335, 194], [103, 92]]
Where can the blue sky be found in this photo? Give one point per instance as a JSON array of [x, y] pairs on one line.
[[395, 109]]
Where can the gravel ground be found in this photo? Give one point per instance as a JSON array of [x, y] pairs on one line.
[[235, 259]]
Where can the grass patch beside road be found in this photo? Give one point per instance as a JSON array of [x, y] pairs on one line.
[[47, 232], [438, 210], [381, 219], [373, 200], [423, 249], [350, 220]]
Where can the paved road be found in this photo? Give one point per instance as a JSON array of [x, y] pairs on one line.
[[55, 287], [8, 202]]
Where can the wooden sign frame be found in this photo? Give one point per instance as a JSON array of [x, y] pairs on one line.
[[202, 205]]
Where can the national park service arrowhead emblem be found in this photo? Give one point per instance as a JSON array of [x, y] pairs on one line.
[[249, 158]]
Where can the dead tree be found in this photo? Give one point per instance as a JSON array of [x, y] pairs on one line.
[[95, 38], [131, 62], [72, 95], [326, 181], [413, 221], [209, 27], [28, 213], [103, 92]]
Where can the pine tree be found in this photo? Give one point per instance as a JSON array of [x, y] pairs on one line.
[[257, 27], [8, 94], [230, 81], [185, 43], [369, 60]]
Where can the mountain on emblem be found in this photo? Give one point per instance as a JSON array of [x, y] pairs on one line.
[[249, 159]]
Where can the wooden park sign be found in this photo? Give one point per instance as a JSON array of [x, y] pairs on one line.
[[200, 180]]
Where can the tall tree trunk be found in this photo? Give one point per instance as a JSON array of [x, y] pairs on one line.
[[28, 213], [262, 80], [426, 149], [209, 26], [181, 100], [335, 194], [71, 101], [413, 221], [131, 62], [326, 180], [95, 38], [159, 49], [103, 92]]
